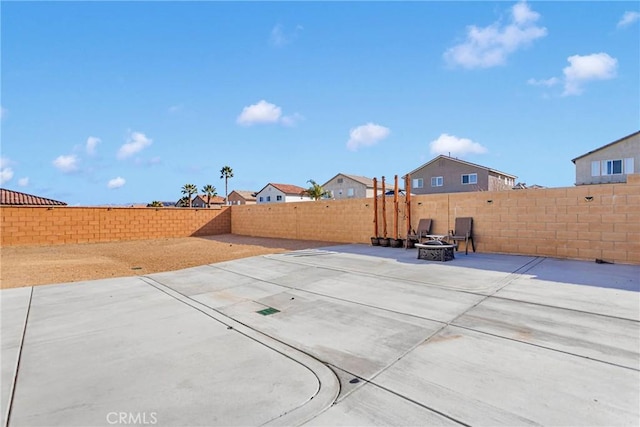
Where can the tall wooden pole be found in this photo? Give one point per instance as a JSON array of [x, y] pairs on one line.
[[407, 200], [395, 208], [375, 207], [384, 211]]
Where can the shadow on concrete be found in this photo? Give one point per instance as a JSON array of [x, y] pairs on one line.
[[588, 273]]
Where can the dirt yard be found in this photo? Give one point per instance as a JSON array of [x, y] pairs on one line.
[[41, 265]]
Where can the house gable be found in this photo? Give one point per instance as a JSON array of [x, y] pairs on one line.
[[242, 197], [445, 174], [343, 186], [610, 163]]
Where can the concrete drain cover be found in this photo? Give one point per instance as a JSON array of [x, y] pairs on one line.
[[268, 311]]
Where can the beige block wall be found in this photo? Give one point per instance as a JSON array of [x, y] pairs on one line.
[[60, 225], [584, 222]]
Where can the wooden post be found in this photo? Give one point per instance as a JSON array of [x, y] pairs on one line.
[[407, 200], [395, 208], [384, 211], [375, 208]]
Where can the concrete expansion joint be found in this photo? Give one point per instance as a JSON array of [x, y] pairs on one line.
[[617, 365], [14, 379], [328, 386]]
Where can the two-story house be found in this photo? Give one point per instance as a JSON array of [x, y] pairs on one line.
[[445, 174], [281, 193], [609, 163], [343, 186], [242, 197]]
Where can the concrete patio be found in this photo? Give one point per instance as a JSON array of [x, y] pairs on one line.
[[360, 335]]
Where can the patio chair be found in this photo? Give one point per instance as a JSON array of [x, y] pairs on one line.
[[424, 228], [463, 232]]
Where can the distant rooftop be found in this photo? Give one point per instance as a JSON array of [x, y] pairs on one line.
[[16, 198]]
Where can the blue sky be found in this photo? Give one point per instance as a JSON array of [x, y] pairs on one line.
[[125, 102]]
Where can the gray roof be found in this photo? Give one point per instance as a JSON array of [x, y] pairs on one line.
[[368, 182], [607, 145]]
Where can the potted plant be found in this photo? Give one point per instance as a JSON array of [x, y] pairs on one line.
[[397, 243], [384, 241], [375, 241]]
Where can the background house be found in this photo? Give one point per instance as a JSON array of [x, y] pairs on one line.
[[16, 198], [609, 163], [449, 175], [343, 186], [281, 193], [200, 201], [242, 197]]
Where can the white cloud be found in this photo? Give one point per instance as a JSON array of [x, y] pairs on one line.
[[582, 69], [262, 112], [175, 109], [66, 164], [291, 120], [545, 82], [136, 142], [23, 182], [278, 38], [3, 112], [116, 183], [92, 144], [6, 172], [628, 18], [366, 135], [489, 46], [454, 146]]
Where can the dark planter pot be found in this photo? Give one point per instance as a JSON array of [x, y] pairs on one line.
[[411, 244], [384, 241], [375, 241], [397, 243]]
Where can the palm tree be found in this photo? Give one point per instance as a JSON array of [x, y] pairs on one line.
[[316, 192], [210, 191], [155, 204], [226, 172], [189, 190], [183, 202]]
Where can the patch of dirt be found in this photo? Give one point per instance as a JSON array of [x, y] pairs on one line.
[[41, 265]]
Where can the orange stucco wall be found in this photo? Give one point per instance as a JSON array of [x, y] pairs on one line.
[[60, 225]]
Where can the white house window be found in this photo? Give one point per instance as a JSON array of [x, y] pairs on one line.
[[350, 192], [340, 180], [612, 167], [471, 178], [437, 181], [418, 183], [261, 199], [268, 198], [279, 198]]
